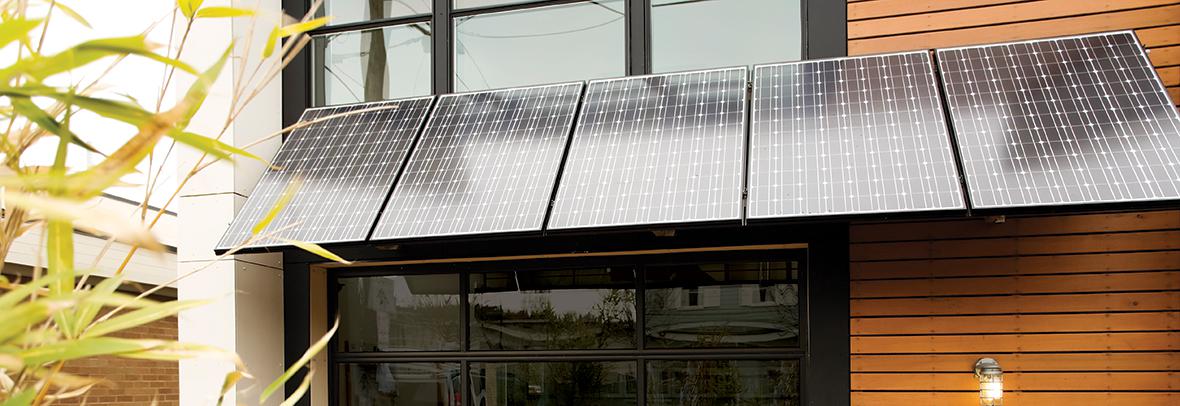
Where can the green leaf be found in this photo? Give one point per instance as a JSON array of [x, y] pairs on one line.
[[60, 247], [15, 29], [40, 67], [307, 356], [189, 7], [26, 107], [87, 310], [212, 146], [14, 296], [280, 204], [299, 391], [22, 398], [290, 30], [85, 348], [72, 14], [141, 316], [223, 12], [18, 320], [314, 249], [231, 379], [175, 351]]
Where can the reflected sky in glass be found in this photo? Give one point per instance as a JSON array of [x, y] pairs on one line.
[[378, 64], [690, 34]]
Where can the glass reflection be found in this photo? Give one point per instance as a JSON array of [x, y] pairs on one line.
[[553, 309], [743, 304], [399, 313], [377, 64], [403, 384], [696, 34], [350, 11], [553, 383], [723, 382], [540, 45]]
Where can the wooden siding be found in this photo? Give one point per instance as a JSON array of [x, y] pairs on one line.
[[1078, 309], [876, 26]]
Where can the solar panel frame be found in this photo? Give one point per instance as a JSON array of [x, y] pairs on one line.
[[969, 154], [555, 218], [391, 228], [937, 140], [303, 156]]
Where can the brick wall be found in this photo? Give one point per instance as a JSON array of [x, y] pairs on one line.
[[132, 382]]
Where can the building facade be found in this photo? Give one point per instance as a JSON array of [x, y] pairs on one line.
[[1078, 307]]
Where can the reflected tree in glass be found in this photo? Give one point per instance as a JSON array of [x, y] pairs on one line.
[[399, 313], [723, 383]]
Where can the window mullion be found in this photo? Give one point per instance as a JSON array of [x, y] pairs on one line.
[[442, 65]]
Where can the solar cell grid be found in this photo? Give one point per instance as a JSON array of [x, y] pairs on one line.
[[656, 149], [850, 136], [346, 164], [1062, 121], [486, 163]]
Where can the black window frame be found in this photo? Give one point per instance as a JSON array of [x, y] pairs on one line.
[[641, 354], [824, 35]]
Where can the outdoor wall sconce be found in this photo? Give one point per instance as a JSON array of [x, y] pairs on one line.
[[991, 382]]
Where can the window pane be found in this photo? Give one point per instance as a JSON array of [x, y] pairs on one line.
[[742, 304], [404, 384], [399, 313], [553, 383], [541, 45], [350, 11], [694, 34], [378, 64], [465, 4], [723, 382], [550, 310]]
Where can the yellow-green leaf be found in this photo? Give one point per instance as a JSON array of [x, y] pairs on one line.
[[189, 7], [72, 14], [65, 215], [212, 146], [223, 12], [40, 67], [14, 296], [314, 249], [196, 94], [231, 379], [22, 398], [28, 109], [291, 30], [18, 319], [15, 29], [141, 316], [299, 391], [87, 309], [280, 204], [85, 348], [307, 356]]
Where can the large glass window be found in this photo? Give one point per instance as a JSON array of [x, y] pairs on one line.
[[550, 44], [377, 64], [699, 34], [351, 11], [399, 313], [665, 330], [558, 309]]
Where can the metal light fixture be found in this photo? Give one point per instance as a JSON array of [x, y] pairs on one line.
[[991, 382]]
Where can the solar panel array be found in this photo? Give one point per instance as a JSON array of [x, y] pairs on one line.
[[848, 136], [486, 163], [346, 164], [1062, 121], [656, 149]]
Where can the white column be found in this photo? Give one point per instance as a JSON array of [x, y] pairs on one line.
[[247, 317]]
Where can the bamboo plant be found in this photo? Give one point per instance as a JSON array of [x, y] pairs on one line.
[[58, 314]]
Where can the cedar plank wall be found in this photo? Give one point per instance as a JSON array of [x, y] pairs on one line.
[[1081, 309]]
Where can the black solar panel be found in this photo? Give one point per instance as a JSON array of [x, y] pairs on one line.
[[656, 149], [347, 165], [850, 136], [486, 163], [1062, 121]]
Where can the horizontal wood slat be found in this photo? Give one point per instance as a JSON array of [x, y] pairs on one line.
[[1166, 56], [1016, 285], [1036, 323], [1040, 245], [1033, 265], [886, 8], [1122, 20], [1069, 342], [1159, 36], [1039, 304], [1170, 76], [1016, 381], [1017, 226], [1110, 361], [992, 15], [1017, 398]]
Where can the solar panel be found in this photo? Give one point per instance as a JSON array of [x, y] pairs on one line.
[[346, 164], [656, 149], [850, 136], [1062, 121], [486, 163]]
